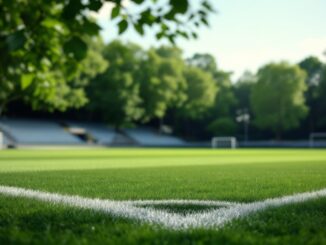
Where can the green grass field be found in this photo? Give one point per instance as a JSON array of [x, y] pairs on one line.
[[133, 174]]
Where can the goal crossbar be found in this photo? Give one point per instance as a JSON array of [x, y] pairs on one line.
[[224, 142]]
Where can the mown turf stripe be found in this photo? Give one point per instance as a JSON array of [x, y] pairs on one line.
[[129, 209]]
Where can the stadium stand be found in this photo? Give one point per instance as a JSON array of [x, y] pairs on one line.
[[100, 133], [148, 137], [27, 132], [7, 140], [36, 132]]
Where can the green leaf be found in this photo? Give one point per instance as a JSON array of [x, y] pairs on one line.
[[139, 28], [138, 1], [194, 35], [191, 16], [16, 40], [72, 9], [50, 22], [147, 17], [115, 12], [91, 28], [123, 25], [26, 80], [170, 15], [203, 20], [160, 35], [208, 6], [183, 34], [95, 5], [75, 47], [179, 6], [57, 25], [172, 38]]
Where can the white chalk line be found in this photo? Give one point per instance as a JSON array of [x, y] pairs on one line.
[[213, 218]]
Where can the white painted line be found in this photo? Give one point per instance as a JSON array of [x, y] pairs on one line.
[[215, 218]]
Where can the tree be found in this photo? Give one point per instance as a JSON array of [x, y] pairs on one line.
[[321, 101], [242, 89], [313, 67], [41, 51], [162, 84], [43, 42], [220, 116], [223, 126], [189, 119], [277, 99], [205, 62], [225, 100], [201, 92], [115, 93], [49, 89]]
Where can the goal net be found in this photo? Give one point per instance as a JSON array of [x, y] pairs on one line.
[[315, 139], [224, 142]]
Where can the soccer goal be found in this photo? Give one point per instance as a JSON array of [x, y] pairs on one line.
[[316, 138], [224, 142]]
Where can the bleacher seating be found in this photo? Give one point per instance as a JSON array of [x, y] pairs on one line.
[[37, 132], [21, 132], [103, 134], [6, 141], [148, 137]]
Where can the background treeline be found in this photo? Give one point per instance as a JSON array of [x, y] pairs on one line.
[[124, 85]]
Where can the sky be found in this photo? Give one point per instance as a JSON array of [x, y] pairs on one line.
[[246, 34]]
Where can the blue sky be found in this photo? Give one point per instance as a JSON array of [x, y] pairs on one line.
[[246, 34]]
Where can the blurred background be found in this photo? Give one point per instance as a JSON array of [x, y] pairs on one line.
[[121, 73]]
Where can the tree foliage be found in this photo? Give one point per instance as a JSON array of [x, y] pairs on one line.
[[201, 92], [321, 100], [277, 98], [225, 100], [41, 51], [162, 84], [168, 19], [114, 94], [243, 88], [42, 43], [52, 89], [222, 126], [313, 67], [219, 119], [139, 85]]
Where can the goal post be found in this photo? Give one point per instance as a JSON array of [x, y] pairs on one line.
[[224, 142], [314, 137]]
